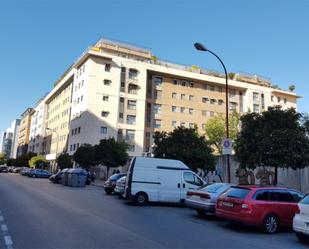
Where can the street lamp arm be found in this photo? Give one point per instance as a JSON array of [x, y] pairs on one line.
[[219, 60]]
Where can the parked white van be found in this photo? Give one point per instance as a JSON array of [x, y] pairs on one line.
[[159, 180]]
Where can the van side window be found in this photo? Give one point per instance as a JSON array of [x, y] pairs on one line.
[[192, 179]]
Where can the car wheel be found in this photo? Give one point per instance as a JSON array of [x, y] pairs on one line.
[[271, 224], [141, 199], [34, 176], [108, 192], [201, 212], [302, 238]]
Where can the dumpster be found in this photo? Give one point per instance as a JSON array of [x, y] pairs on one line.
[[77, 177], [64, 177]]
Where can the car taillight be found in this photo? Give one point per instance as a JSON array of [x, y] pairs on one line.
[[205, 196], [297, 210], [219, 203]]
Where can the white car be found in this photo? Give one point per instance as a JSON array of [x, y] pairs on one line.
[[301, 220], [120, 186]]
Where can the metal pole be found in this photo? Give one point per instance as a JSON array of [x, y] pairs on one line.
[[226, 112]]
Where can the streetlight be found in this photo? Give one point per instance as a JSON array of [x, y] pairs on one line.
[[49, 129], [201, 47]]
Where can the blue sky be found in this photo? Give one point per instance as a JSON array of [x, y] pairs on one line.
[[40, 39]]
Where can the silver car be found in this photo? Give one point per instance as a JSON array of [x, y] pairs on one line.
[[204, 199], [120, 186]]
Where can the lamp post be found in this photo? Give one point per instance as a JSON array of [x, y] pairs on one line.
[[49, 129], [201, 47]]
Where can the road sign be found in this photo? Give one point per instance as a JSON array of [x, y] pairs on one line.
[[227, 146]]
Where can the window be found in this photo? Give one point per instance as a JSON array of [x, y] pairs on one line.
[[278, 99], [232, 93], [157, 123], [107, 82], [183, 124], [107, 67], [132, 89], [175, 82], [157, 81], [255, 96], [121, 100], [183, 83], [190, 111], [256, 108], [262, 196], [130, 135], [305, 200], [192, 179], [296, 196], [191, 84], [204, 113], [205, 87], [284, 196], [157, 109], [239, 193], [191, 125], [211, 114], [183, 96], [191, 97], [174, 108], [233, 106], [212, 101], [133, 73], [272, 98], [220, 101], [104, 113], [122, 84], [182, 109], [78, 130], [105, 97], [219, 89], [285, 100], [205, 100], [131, 119], [211, 88], [120, 114], [132, 104], [174, 123], [174, 95], [123, 69], [158, 94], [131, 147], [103, 129]]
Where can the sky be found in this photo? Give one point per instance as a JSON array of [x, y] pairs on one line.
[[40, 39]]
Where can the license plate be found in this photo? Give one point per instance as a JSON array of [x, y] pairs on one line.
[[227, 204]]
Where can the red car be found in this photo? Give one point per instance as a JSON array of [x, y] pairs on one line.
[[266, 207]]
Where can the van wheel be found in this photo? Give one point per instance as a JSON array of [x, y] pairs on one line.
[[141, 199], [271, 224], [201, 212]]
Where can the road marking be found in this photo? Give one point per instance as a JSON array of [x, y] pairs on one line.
[[1, 218], [8, 242], [4, 228]]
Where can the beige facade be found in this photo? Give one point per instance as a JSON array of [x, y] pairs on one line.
[[122, 91], [24, 131]]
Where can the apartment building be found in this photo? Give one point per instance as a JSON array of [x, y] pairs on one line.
[[24, 131], [37, 128], [123, 91]]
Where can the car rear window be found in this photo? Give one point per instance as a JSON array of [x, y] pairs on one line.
[[305, 200], [213, 188], [239, 193]]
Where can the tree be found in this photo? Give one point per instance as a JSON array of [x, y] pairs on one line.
[[64, 161], [215, 129], [292, 88], [2, 158], [11, 162], [38, 162], [186, 145], [85, 156], [273, 138], [111, 153], [23, 160]]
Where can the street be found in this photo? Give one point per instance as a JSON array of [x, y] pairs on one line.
[[36, 213]]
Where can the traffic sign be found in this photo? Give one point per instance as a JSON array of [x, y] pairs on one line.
[[227, 146]]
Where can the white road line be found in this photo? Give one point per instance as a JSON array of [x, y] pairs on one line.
[[1, 218], [4, 228], [8, 242]]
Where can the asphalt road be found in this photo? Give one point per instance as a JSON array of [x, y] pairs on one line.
[[38, 214]]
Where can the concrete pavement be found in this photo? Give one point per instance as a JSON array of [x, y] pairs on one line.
[[40, 214]]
